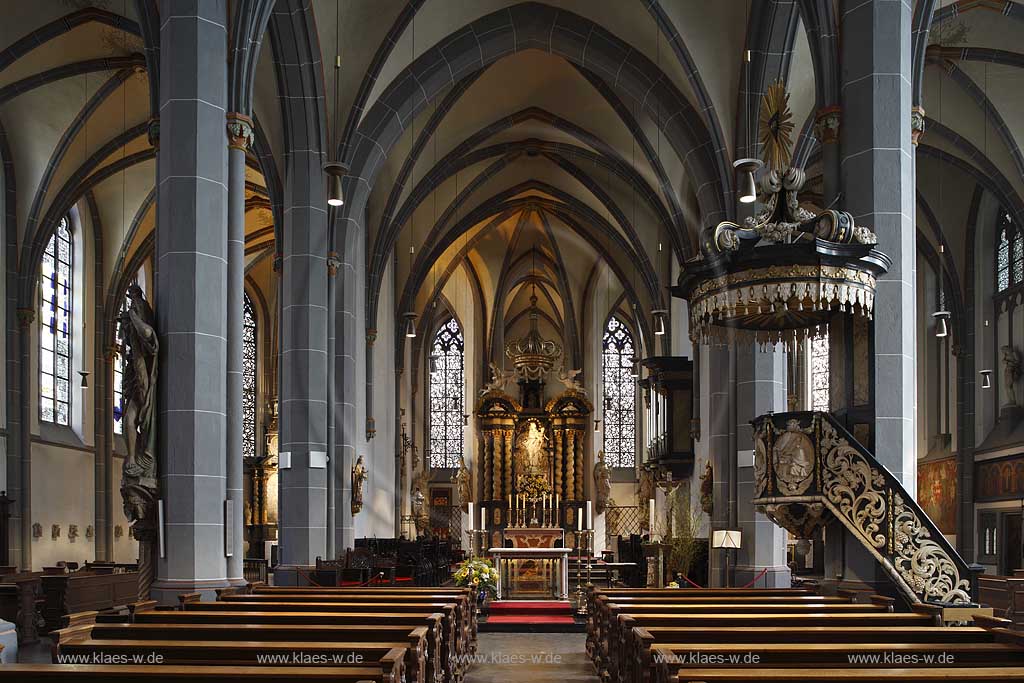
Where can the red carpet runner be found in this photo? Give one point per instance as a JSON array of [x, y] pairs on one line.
[[532, 612]]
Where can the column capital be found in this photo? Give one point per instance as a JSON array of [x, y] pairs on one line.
[[826, 125], [239, 128], [26, 316], [111, 352], [371, 428], [916, 124], [333, 261], [153, 132], [278, 262], [371, 336]]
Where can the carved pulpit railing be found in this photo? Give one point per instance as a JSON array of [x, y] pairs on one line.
[[808, 469]]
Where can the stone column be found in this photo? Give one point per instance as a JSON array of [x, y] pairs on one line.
[[191, 306], [826, 129], [877, 179], [239, 133], [760, 389], [23, 492]]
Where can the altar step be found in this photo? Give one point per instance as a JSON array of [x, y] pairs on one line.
[[530, 616]]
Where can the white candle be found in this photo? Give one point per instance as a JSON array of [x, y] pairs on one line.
[[471, 520], [651, 520], [590, 517], [556, 500], [579, 523], [510, 501], [483, 518]]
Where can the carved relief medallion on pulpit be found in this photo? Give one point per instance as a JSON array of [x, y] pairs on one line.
[[793, 460]]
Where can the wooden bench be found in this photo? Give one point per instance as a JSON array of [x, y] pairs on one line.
[[671, 660], [637, 663], [454, 623], [441, 666], [611, 647], [80, 673], [903, 675], [604, 623], [420, 655], [466, 607]]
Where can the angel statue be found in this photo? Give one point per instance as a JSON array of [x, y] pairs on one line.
[[568, 378], [602, 484], [499, 379]]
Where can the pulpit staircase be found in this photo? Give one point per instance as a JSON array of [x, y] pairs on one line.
[[808, 470]]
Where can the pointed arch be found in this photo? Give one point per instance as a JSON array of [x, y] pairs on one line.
[[618, 391], [446, 389]]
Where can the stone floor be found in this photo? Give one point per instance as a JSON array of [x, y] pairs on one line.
[[36, 653], [533, 657]]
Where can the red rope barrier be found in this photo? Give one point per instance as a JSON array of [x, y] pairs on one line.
[[763, 572]]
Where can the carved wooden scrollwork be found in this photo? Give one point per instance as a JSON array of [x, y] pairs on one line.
[[922, 563], [853, 486]]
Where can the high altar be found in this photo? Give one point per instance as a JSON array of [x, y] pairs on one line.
[[532, 458]]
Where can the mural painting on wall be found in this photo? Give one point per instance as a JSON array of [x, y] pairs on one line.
[[1001, 479], [936, 492]]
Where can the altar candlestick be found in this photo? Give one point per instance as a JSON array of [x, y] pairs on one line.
[[651, 520], [590, 517]]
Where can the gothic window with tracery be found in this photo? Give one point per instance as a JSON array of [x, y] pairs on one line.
[[446, 389], [619, 389], [1009, 254], [119, 376], [56, 294], [820, 374], [249, 355]]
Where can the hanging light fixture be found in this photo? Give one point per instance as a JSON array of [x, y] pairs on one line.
[[433, 361], [335, 171], [410, 325], [941, 327], [634, 371], [986, 379], [85, 378], [745, 184], [660, 316]]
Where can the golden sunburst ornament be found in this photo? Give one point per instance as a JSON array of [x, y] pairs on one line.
[[775, 127]]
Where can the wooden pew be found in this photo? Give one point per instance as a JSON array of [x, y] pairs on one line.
[[84, 591], [420, 655], [455, 608], [441, 660], [79, 673], [921, 675], [637, 663], [612, 647], [384, 656], [672, 660], [604, 624], [464, 598]]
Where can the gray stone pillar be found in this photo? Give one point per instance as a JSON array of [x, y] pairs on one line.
[[877, 177], [718, 366], [826, 129], [760, 389], [239, 133], [191, 306], [303, 372]]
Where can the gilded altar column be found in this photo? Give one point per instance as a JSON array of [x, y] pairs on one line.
[[578, 450], [508, 462], [485, 465], [570, 467], [559, 460], [496, 465]]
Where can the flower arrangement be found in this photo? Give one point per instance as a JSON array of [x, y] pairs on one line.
[[533, 486], [672, 584], [477, 573]]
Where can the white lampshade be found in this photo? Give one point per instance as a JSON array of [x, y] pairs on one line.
[[726, 539], [335, 171], [746, 187]]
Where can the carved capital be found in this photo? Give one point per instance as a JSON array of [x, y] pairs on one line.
[[239, 129], [371, 336], [26, 316], [826, 125], [371, 428], [278, 262], [916, 124], [333, 262], [153, 133], [111, 353]]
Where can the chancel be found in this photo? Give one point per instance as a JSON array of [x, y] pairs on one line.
[[425, 341]]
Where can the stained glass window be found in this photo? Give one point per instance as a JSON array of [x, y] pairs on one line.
[[619, 387], [55, 327], [249, 380], [119, 377], [447, 386], [1009, 253], [819, 374]]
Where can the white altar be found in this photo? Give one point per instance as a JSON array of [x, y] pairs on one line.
[[503, 557]]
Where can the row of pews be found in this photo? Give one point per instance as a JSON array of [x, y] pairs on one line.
[[720, 635], [343, 635]]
